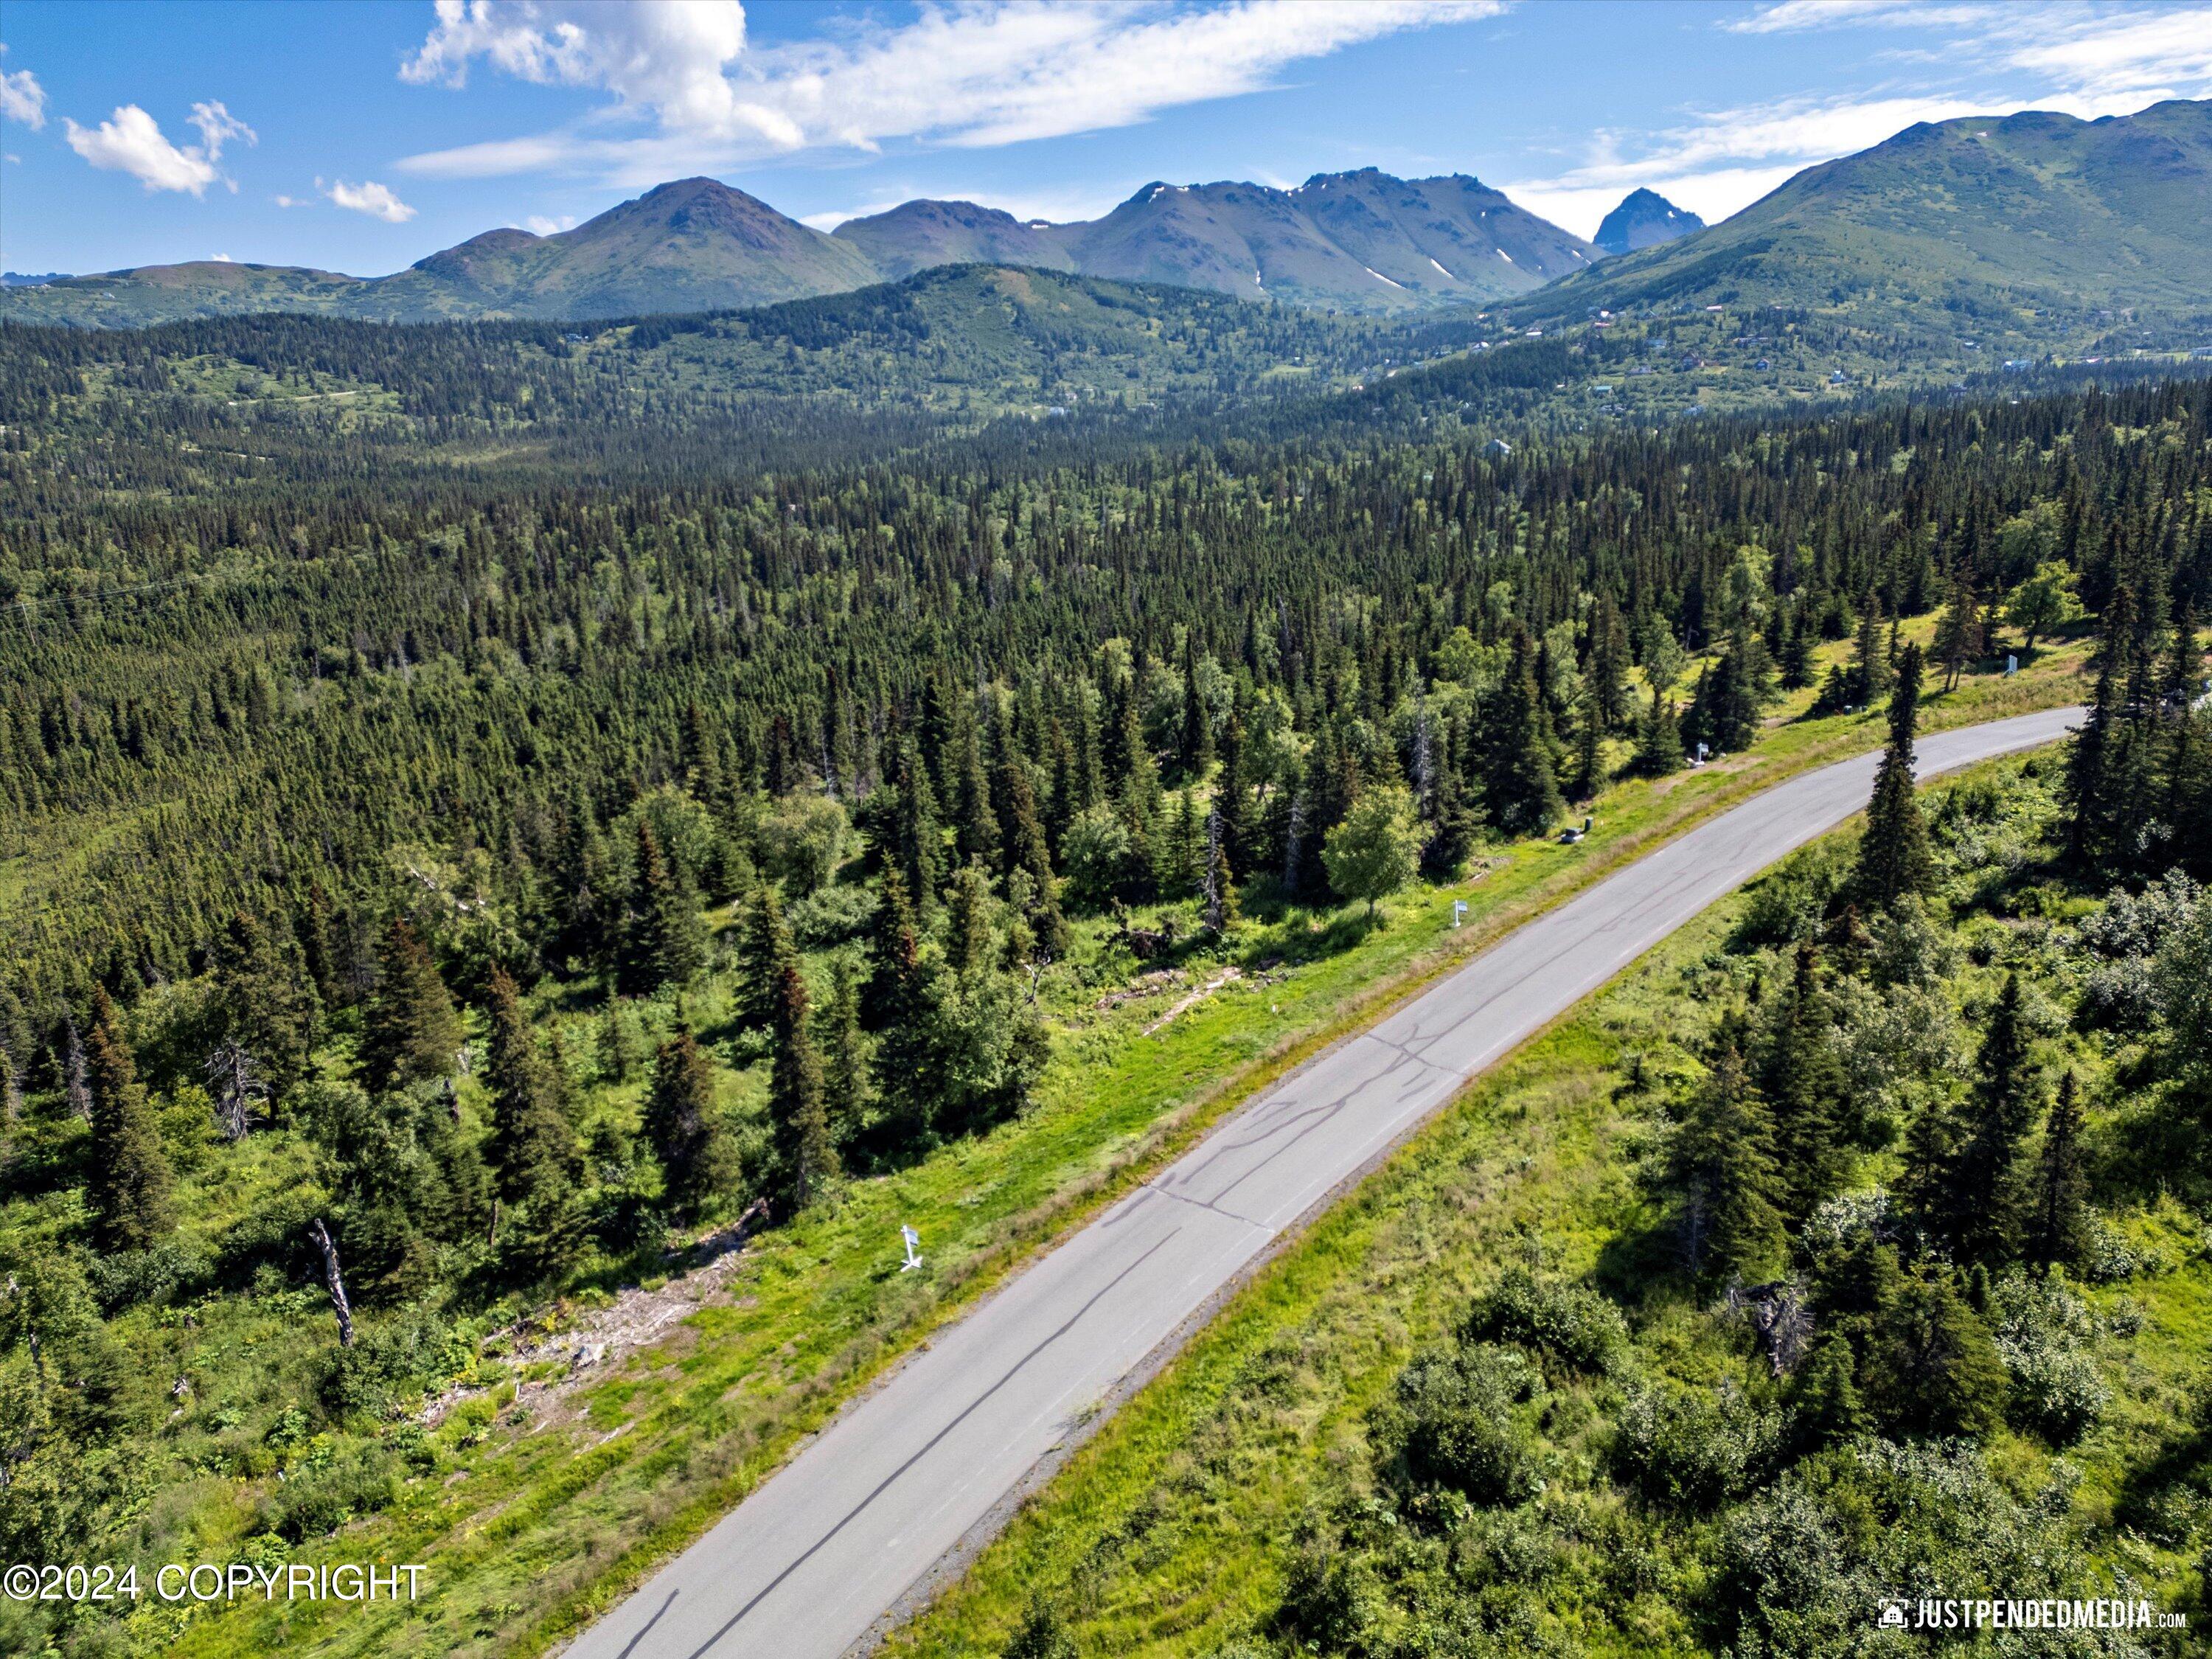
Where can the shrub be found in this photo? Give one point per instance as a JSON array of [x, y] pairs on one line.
[[1456, 1427], [1095, 852], [1787, 904], [1329, 1599], [829, 916], [2046, 1336], [1572, 1325], [315, 1501], [410, 1355], [162, 1274], [1689, 1450], [1804, 1566]]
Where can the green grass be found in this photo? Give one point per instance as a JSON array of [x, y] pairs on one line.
[[1170, 1533], [536, 1526]]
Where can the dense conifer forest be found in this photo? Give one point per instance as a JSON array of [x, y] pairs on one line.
[[463, 876]]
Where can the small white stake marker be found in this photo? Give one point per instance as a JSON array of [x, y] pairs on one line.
[[909, 1238]]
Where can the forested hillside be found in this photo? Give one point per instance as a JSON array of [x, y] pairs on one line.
[[466, 885]]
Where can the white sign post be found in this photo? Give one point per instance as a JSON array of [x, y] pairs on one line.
[[910, 1238], [1459, 909]]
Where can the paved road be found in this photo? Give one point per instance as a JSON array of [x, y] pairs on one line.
[[806, 1564]]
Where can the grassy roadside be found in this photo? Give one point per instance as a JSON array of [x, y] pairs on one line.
[[547, 1517], [1170, 1533]]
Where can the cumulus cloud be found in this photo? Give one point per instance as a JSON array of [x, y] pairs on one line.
[[374, 200], [23, 98], [131, 141], [979, 72], [539, 224]]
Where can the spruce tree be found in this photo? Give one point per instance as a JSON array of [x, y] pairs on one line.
[[799, 1120], [1825, 1405], [1870, 671], [967, 922], [1985, 1172], [1605, 673], [918, 834], [1721, 1168], [2058, 1220], [681, 1126], [900, 1002], [1933, 1368], [128, 1183], [265, 1009], [845, 1054], [763, 943], [1023, 844], [1232, 797], [1802, 1082], [1659, 739], [1958, 635], [975, 837], [1520, 784], [1893, 858], [410, 1034], [1195, 740], [663, 944], [532, 1144]]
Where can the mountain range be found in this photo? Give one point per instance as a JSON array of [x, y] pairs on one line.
[[2027, 229], [1360, 242]]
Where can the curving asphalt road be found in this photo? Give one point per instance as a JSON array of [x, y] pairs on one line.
[[809, 1563]]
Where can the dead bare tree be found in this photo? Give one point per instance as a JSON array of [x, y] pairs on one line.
[[334, 1278], [234, 1082], [79, 1085]]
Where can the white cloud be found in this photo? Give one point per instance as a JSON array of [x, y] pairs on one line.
[[1726, 160], [539, 224], [2108, 57], [1053, 205], [222, 259], [1791, 15], [289, 202], [131, 141], [23, 98], [373, 199], [973, 73]]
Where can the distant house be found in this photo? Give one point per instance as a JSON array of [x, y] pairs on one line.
[[2016, 365], [2202, 352], [1497, 449], [1762, 365], [1837, 378]]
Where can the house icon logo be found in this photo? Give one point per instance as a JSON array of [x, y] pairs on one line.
[[1893, 1613]]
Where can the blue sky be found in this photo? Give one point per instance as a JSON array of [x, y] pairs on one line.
[[359, 135]]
